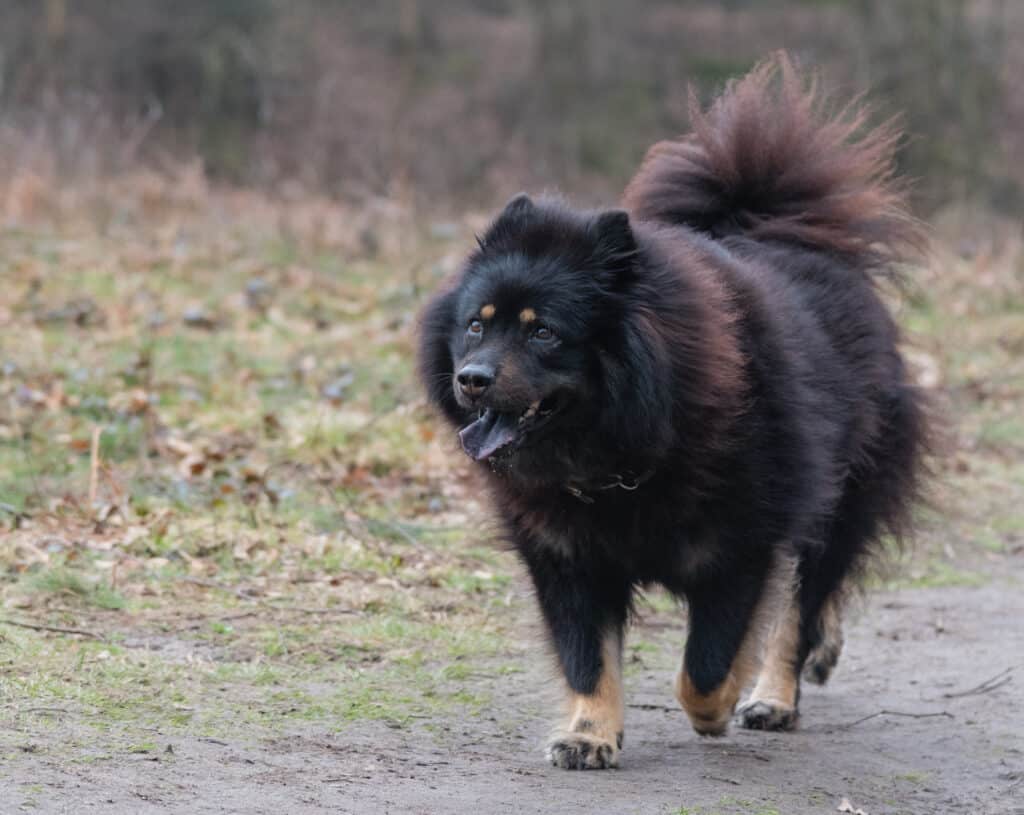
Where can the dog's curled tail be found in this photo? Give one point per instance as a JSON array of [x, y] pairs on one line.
[[771, 158]]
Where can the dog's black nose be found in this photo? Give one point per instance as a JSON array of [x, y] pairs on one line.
[[475, 379]]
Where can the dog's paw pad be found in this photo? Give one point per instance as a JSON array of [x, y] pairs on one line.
[[763, 715], [577, 751]]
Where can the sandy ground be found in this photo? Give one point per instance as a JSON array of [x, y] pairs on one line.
[[908, 725]]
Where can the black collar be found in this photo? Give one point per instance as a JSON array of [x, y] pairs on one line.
[[629, 482]]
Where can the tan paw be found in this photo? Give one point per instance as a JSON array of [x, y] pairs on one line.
[[583, 751], [766, 714], [710, 713]]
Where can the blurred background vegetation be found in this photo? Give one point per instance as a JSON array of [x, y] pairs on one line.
[[225, 508], [467, 101]]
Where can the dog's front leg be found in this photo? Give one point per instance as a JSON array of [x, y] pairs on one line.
[[591, 735], [585, 610], [722, 647]]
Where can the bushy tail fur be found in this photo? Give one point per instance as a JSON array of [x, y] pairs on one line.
[[773, 159]]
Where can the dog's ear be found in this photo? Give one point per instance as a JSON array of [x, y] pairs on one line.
[[616, 244], [434, 356], [520, 206], [516, 213]]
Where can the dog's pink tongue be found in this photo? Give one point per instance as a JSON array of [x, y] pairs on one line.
[[488, 434]]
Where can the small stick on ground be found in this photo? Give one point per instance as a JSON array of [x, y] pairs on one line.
[[203, 621], [56, 629], [723, 780], [945, 713], [241, 594], [996, 681], [325, 610], [94, 464]]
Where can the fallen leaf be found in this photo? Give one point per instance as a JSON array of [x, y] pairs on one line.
[[192, 465], [80, 445], [179, 447]]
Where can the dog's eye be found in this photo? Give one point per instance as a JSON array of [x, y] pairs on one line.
[[543, 333], [476, 327]]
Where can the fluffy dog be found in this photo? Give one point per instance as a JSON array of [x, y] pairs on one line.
[[701, 390]]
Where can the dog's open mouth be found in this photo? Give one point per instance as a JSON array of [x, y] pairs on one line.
[[495, 431]]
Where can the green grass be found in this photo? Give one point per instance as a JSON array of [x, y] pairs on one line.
[[64, 582], [116, 688], [915, 778]]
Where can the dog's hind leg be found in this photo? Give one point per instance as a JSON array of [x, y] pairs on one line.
[[824, 656], [806, 638], [875, 498], [773, 702]]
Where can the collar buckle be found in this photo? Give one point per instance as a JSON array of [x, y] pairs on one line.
[[576, 492]]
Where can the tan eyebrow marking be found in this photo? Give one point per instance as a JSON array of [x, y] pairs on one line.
[[487, 311], [527, 315]]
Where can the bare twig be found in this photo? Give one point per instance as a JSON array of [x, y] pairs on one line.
[[996, 681], [944, 713], [55, 629], [327, 610], [94, 463], [241, 594], [268, 607], [229, 618], [654, 707], [723, 780]]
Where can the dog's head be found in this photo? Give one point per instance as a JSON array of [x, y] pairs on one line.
[[531, 349]]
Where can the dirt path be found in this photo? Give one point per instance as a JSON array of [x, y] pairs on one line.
[[914, 651]]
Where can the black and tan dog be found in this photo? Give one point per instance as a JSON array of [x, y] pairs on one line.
[[701, 390]]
